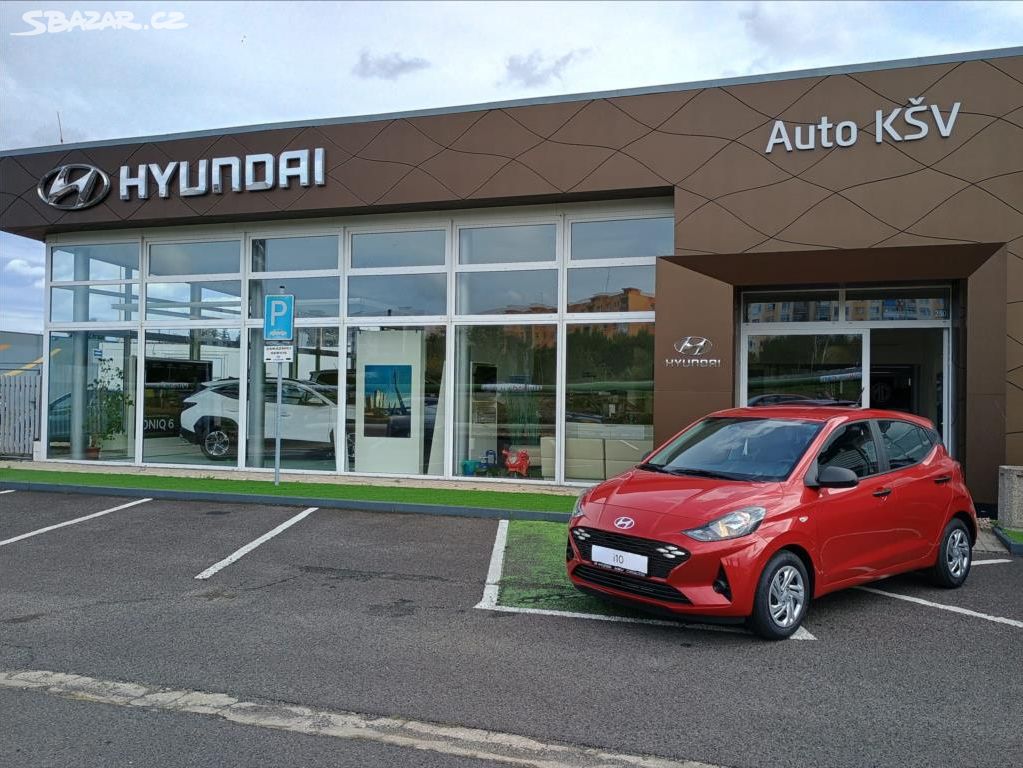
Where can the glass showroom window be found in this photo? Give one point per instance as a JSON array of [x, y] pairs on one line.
[[306, 267], [396, 390], [91, 411], [609, 399], [94, 283], [309, 402], [500, 270], [191, 395], [611, 268], [295, 254], [202, 258], [186, 281], [398, 274], [927, 304], [505, 401], [791, 307]]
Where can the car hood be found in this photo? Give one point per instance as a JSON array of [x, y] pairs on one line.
[[654, 499]]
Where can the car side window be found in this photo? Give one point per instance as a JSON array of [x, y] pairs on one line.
[[228, 390], [905, 443], [852, 448], [291, 395]]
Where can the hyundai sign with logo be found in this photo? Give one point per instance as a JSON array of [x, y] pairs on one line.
[[697, 346], [692, 353], [73, 187], [76, 186]]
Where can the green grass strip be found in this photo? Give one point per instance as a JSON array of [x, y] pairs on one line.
[[1012, 534], [532, 502], [534, 573]]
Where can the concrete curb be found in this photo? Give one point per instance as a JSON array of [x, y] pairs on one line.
[[295, 501], [1014, 547]]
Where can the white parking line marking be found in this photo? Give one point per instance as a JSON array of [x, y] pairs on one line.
[[991, 562], [239, 553], [9, 490], [461, 741], [942, 606], [30, 534], [493, 586], [492, 591]]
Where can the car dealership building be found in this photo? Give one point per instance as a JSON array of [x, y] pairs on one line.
[[541, 289]]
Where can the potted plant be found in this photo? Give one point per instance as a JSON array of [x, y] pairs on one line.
[[108, 405]]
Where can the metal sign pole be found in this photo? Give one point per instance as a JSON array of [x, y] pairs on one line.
[[277, 428], [278, 326]]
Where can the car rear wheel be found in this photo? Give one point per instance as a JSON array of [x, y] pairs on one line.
[[782, 597], [216, 443], [955, 555]]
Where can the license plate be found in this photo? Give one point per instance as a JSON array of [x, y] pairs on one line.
[[615, 558]]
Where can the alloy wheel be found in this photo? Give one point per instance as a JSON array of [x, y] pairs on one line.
[[957, 553], [217, 443], [787, 596]]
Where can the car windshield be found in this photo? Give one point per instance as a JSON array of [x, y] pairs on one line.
[[736, 449]]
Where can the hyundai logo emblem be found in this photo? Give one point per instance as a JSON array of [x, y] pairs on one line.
[[695, 346], [625, 523], [73, 187]]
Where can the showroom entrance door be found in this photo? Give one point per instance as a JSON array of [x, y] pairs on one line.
[[818, 356]]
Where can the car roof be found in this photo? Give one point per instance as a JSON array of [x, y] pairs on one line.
[[821, 413]]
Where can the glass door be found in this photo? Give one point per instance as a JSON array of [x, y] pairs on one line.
[[896, 368], [804, 367], [908, 371]]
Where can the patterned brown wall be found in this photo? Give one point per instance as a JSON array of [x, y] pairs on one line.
[[705, 144]]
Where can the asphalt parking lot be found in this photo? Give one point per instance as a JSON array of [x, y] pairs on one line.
[[376, 615]]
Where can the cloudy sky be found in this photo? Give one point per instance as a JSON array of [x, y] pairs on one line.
[[244, 63]]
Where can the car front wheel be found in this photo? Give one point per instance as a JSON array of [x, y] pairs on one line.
[[955, 554], [782, 597]]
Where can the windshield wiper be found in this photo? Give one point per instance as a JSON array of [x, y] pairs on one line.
[[653, 467], [706, 473]]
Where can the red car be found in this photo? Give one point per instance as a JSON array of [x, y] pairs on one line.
[[751, 512]]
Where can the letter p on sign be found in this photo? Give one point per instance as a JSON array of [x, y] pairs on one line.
[[279, 317]]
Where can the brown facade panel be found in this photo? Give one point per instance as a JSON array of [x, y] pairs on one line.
[[691, 305], [986, 404]]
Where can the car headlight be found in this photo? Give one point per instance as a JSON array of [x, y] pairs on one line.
[[741, 522], [577, 510]]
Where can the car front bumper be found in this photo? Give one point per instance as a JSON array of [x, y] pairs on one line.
[[717, 579]]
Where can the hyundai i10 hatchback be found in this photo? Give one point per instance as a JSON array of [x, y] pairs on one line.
[[750, 513]]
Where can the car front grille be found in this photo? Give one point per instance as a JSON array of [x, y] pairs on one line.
[[634, 585], [661, 556]]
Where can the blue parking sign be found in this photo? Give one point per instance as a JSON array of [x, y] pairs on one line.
[[279, 317]]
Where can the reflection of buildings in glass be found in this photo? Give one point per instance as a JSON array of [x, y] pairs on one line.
[[797, 311], [627, 300], [538, 336]]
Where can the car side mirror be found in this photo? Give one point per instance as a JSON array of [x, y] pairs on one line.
[[837, 477]]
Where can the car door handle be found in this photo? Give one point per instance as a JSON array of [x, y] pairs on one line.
[[943, 479], [882, 492]]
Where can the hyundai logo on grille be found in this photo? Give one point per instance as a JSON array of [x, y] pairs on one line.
[[73, 187], [625, 523], [693, 345]]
